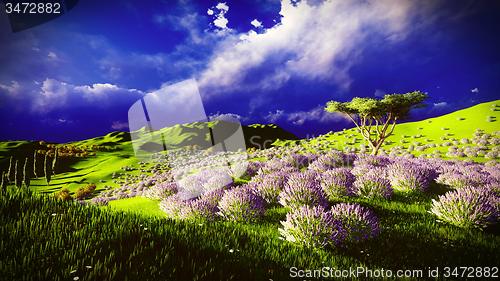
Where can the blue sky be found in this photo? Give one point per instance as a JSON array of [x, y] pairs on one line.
[[264, 61]]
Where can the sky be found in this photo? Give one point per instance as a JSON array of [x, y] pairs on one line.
[[261, 61]]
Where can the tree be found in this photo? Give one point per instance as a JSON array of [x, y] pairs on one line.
[[46, 168], [26, 179], [34, 164], [376, 119], [5, 181], [54, 161]]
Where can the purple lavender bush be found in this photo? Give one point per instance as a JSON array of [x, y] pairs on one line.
[[463, 177], [204, 207], [161, 190], [369, 163], [468, 207], [408, 177], [269, 186], [241, 204], [359, 223], [276, 165], [311, 227], [173, 206], [372, 185], [333, 159], [302, 189], [337, 182]]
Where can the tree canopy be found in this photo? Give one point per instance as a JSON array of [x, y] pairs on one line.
[[376, 118]]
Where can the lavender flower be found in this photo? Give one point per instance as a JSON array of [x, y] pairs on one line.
[[468, 207], [406, 176], [269, 186], [337, 182], [276, 165], [328, 161], [302, 189], [311, 227], [204, 207], [173, 206], [161, 190], [372, 185], [359, 223], [463, 177], [241, 204], [100, 201]]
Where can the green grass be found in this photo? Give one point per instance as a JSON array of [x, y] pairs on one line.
[[114, 242], [142, 244], [49, 240], [139, 205]]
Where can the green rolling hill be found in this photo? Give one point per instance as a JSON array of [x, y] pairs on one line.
[[433, 136]]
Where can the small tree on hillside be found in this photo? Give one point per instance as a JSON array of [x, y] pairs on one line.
[[375, 119]]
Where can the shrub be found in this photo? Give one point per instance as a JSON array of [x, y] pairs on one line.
[[311, 227], [328, 161], [63, 194], [276, 165], [85, 192], [161, 190], [100, 201], [463, 177], [337, 183], [406, 176], [204, 207], [302, 189], [468, 207], [241, 204], [173, 206], [372, 185], [269, 186], [359, 223], [204, 181]]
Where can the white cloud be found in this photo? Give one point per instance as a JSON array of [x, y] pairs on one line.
[[256, 23], [226, 116], [220, 19], [222, 6], [440, 104], [274, 116], [55, 94], [475, 90], [317, 114], [52, 56], [379, 93], [314, 41], [117, 125], [12, 89]]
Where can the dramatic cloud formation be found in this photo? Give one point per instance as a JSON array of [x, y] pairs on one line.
[[314, 41]]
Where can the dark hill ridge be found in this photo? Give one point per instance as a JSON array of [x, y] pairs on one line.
[[205, 134]]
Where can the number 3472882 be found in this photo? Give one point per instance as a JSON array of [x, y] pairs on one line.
[[33, 8]]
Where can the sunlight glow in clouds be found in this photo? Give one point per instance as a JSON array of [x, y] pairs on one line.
[[312, 41]]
